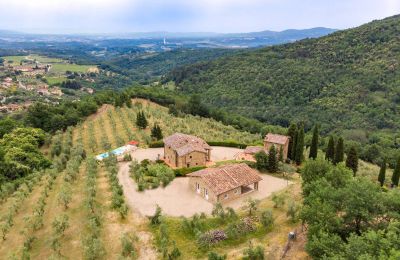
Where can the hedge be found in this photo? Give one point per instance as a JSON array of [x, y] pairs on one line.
[[183, 171], [211, 143], [156, 144], [227, 144]]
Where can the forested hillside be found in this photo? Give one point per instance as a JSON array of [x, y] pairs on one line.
[[348, 82], [143, 67]]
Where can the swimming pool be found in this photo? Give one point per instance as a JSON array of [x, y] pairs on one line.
[[119, 151]]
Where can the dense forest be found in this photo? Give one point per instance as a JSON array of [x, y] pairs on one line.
[[347, 82], [149, 66]]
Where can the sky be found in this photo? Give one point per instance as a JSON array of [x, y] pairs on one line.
[[122, 16]]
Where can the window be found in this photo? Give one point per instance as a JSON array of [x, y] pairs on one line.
[[190, 157], [225, 196], [236, 191]]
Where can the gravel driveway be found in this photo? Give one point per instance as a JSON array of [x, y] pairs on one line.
[[177, 199], [217, 153]]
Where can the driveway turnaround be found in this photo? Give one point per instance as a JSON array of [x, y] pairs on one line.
[[177, 199]]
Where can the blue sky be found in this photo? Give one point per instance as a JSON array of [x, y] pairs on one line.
[[117, 16]]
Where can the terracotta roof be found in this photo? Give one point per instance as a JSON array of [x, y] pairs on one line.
[[253, 149], [184, 144], [227, 177], [276, 139]]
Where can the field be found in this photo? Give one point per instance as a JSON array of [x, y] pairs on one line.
[[55, 80], [59, 66], [41, 59]]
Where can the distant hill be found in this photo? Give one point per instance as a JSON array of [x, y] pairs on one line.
[[347, 82]]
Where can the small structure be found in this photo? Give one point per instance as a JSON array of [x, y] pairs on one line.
[[279, 141], [249, 152], [181, 150], [224, 183]]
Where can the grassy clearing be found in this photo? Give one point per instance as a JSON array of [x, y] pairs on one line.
[[55, 80], [61, 68]]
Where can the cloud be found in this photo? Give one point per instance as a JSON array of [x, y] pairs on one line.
[[188, 15]]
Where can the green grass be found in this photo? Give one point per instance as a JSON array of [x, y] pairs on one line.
[[41, 59], [55, 80], [14, 59], [61, 68]]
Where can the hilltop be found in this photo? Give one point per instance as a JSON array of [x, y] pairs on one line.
[[347, 82]]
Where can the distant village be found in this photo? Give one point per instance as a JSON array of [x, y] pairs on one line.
[[27, 76]]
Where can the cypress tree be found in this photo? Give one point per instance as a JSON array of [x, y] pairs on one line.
[[330, 150], [382, 173], [281, 153], [294, 146], [339, 151], [299, 145], [156, 132], [314, 144], [291, 133], [352, 160], [272, 162], [396, 174], [141, 120]]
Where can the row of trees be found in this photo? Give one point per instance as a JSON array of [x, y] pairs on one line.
[[296, 143]]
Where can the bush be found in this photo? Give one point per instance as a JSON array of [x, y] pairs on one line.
[[215, 256], [207, 239], [279, 200], [253, 253], [128, 245], [242, 227], [156, 144], [267, 219]]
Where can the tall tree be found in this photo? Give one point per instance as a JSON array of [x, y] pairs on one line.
[[382, 172], [314, 144], [300, 145], [352, 160], [156, 132], [396, 174], [141, 120], [330, 150], [339, 151], [294, 146], [291, 133], [272, 161], [281, 153]]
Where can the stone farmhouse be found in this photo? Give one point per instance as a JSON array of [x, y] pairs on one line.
[[224, 183], [279, 141], [181, 150]]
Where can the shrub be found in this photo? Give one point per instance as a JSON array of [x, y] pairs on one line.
[[278, 199], [128, 245], [215, 256], [253, 253], [292, 211], [207, 239], [267, 219], [239, 228], [156, 218]]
